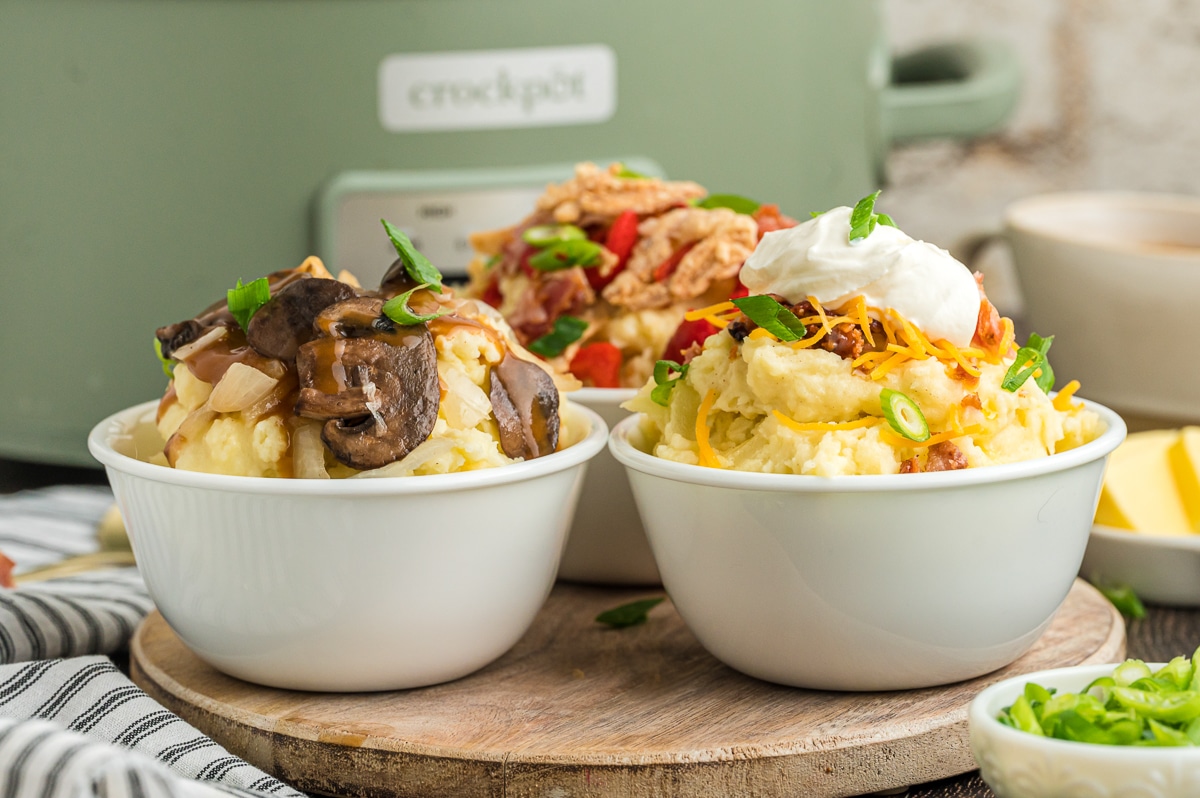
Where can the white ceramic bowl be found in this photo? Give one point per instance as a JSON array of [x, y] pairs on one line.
[[868, 582], [1086, 261], [1163, 569], [607, 544], [1017, 764], [347, 585]]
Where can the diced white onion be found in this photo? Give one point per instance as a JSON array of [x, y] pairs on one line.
[[241, 387], [465, 404], [203, 342], [308, 453]]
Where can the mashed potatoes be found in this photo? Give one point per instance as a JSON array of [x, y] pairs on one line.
[[751, 380]]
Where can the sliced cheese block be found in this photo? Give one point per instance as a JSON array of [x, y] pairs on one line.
[[1185, 463], [1140, 492]]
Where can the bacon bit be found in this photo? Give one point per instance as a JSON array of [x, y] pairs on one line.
[[972, 400], [597, 365], [687, 335], [945, 456], [668, 266], [960, 374], [910, 466], [6, 572], [989, 329], [769, 220]]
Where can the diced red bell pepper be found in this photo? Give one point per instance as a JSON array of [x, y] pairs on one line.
[[739, 291], [668, 266], [492, 295], [686, 334], [619, 240], [598, 365]]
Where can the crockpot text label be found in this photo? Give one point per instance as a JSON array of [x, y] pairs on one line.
[[534, 87]]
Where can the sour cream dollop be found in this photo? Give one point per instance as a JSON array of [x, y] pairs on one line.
[[921, 282]]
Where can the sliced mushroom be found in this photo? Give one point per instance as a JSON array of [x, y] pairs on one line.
[[285, 323], [173, 336], [525, 403], [354, 318], [374, 385], [396, 280]]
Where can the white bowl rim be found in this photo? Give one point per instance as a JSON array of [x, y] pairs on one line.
[[1128, 537], [632, 457], [101, 448], [602, 396], [978, 713], [1025, 215]]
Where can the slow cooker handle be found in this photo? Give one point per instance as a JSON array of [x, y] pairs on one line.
[[957, 89]]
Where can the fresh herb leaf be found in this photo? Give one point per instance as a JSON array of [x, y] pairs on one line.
[[567, 330], [863, 218], [771, 316], [628, 174], [1031, 358], [1124, 599], [566, 254], [733, 202], [815, 214], [168, 365], [903, 415], [664, 383], [245, 300], [543, 235], [416, 265], [397, 309], [630, 614]]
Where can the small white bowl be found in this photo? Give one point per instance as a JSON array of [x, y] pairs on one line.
[[878, 582], [607, 544], [349, 584], [1017, 764], [1163, 569]]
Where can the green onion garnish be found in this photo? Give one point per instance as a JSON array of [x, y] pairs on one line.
[[567, 330], [903, 415], [543, 235], [863, 218], [731, 201], [771, 316], [1031, 358], [416, 265], [566, 254], [168, 365], [245, 300], [628, 174], [630, 614], [664, 383], [1134, 706], [397, 309], [1124, 599]]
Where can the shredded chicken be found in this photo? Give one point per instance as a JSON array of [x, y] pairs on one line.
[[599, 195], [722, 240]]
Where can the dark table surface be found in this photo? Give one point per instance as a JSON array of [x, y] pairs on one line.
[[1164, 633]]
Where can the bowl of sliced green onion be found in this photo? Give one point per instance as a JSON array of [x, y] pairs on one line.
[[1092, 731]]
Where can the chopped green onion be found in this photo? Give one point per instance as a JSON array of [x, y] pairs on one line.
[[397, 309], [1124, 599], [168, 365], [863, 218], [630, 614], [903, 415], [815, 214], [628, 174], [1132, 707], [543, 235], [664, 383], [771, 316], [567, 330], [733, 202], [245, 300], [416, 265], [566, 254], [1031, 359]]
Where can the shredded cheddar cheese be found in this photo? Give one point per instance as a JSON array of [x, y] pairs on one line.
[[900, 442], [824, 426], [1062, 400], [708, 457]]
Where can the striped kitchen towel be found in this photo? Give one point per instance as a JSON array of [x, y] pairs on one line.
[[79, 727]]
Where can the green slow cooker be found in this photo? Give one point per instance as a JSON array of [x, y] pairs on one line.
[[155, 152]]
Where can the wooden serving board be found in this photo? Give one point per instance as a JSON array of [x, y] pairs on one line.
[[577, 710]]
